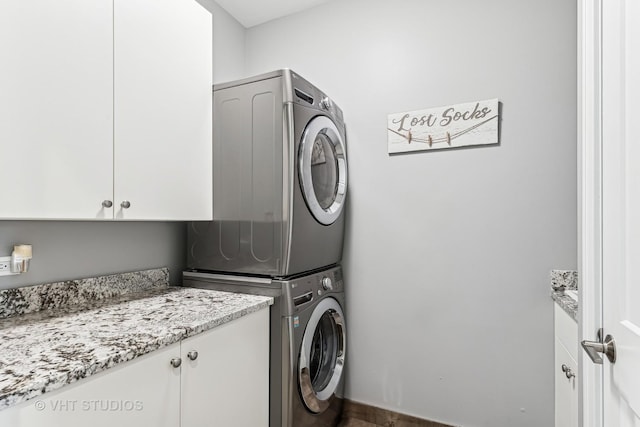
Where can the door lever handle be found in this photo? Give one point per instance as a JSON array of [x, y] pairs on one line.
[[593, 348], [606, 347]]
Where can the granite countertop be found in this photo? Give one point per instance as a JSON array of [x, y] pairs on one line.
[[47, 342], [567, 303], [561, 281]]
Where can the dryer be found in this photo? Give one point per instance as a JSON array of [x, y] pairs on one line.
[[308, 342], [280, 180]]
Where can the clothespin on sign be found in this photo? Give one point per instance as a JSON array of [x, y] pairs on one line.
[[430, 140], [448, 138], [409, 137]]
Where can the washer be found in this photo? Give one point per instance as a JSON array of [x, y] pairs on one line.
[[308, 342], [280, 180], [315, 333]]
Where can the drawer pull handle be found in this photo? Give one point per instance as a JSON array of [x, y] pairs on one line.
[[176, 362], [192, 355]]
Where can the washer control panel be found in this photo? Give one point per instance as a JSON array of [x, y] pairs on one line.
[[325, 103], [302, 292]]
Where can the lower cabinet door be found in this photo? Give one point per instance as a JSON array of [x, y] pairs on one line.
[[141, 392], [227, 383], [566, 387]]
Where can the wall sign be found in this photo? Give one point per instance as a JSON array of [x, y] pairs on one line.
[[473, 123]]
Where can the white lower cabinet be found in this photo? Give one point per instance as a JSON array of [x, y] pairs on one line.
[[565, 369], [142, 392], [227, 384]]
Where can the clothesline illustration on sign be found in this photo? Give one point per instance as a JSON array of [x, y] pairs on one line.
[[472, 123]]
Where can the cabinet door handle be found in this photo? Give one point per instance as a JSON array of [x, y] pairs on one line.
[[192, 355], [568, 372], [107, 203], [125, 204], [176, 362]]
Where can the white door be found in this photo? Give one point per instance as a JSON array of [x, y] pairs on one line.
[[621, 209], [56, 108], [163, 110], [141, 392], [225, 375]]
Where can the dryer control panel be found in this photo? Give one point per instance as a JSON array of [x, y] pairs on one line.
[[307, 94]]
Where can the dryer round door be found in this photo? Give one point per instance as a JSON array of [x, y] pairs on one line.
[[322, 167], [321, 362]]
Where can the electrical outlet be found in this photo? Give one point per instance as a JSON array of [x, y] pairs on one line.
[[5, 266]]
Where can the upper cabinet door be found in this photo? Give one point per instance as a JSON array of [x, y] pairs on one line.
[[163, 110], [56, 108]]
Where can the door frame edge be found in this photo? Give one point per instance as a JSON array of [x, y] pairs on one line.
[[589, 45]]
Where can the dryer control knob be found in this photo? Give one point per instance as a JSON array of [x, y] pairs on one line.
[[325, 103], [327, 284]]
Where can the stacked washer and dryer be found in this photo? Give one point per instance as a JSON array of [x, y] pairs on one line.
[[280, 182]]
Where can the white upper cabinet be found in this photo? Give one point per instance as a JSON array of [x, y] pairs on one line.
[[106, 101], [163, 110], [56, 108]]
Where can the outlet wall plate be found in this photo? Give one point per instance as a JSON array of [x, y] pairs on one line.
[[5, 266]]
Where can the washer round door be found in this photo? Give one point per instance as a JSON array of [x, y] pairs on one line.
[[321, 362], [322, 167]]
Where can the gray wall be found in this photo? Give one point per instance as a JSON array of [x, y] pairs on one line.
[[228, 44], [66, 250], [448, 253]]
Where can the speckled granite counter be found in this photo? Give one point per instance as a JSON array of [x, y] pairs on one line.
[[43, 350], [567, 303], [562, 280]]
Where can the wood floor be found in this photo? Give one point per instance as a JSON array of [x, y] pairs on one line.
[[359, 415]]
